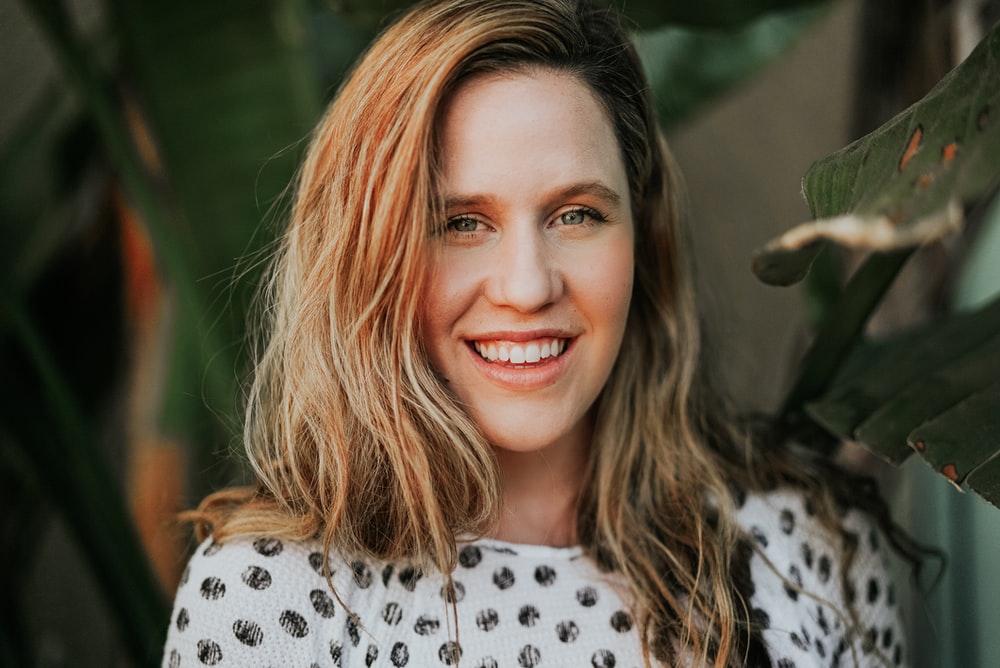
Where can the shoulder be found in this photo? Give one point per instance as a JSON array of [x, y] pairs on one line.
[[822, 593], [249, 602]]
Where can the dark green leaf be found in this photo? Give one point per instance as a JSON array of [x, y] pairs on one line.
[[963, 438], [907, 182], [885, 431], [912, 359]]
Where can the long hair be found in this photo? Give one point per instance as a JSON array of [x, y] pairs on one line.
[[357, 442]]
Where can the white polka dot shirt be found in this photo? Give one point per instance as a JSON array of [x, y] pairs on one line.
[[265, 602]]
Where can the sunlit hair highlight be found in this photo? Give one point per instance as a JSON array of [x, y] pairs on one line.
[[357, 442]]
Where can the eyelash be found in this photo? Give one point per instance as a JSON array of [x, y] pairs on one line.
[[594, 216]]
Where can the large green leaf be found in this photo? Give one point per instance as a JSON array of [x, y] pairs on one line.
[[907, 182], [932, 389], [231, 96]]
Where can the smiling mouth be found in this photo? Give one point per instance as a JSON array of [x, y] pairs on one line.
[[527, 352]]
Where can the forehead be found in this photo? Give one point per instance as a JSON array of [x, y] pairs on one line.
[[539, 123]]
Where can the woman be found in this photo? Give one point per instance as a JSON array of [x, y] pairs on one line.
[[478, 423]]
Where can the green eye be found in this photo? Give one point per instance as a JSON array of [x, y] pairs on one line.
[[575, 217], [463, 224]]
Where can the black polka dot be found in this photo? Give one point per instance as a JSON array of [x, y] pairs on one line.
[[362, 574], [408, 577], [621, 622], [293, 624], [545, 576], [453, 592], [850, 592], [807, 555], [488, 662], [317, 563], [873, 590], [760, 618], [587, 597], [175, 659], [820, 648], [487, 619], [470, 556], [392, 614], [209, 653], [529, 657], [183, 619], [795, 582], [871, 638], [503, 578], [184, 575], [322, 603], [528, 615], [213, 589], [897, 654], [371, 655], [759, 536], [256, 577], [336, 652], [887, 637], [821, 620], [247, 632], [386, 575], [400, 654], [785, 663], [824, 568], [212, 548], [602, 658], [268, 547], [567, 631], [798, 641], [739, 496], [787, 521], [353, 632], [450, 653], [426, 626]]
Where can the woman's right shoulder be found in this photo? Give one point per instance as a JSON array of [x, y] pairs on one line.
[[251, 601]]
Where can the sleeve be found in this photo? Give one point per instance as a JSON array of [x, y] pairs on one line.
[[252, 603], [812, 611]]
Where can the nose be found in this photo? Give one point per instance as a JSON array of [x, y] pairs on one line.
[[525, 275]]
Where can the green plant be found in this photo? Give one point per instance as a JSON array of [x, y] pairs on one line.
[[935, 390]]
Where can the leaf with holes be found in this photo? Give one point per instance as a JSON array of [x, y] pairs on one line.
[[907, 182]]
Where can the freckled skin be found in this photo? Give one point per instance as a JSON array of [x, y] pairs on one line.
[[521, 260]]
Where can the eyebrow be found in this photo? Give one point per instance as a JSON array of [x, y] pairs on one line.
[[593, 188]]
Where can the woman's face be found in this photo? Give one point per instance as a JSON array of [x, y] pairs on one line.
[[530, 281]]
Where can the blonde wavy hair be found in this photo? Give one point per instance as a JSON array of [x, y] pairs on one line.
[[357, 442]]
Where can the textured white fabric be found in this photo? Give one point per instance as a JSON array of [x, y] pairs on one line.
[[265, 603]]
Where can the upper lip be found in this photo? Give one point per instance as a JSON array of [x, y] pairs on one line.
[[515, 336]]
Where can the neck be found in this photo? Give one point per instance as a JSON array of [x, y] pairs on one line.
[[541, 489]]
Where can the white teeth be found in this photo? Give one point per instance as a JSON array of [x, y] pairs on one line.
[[515, 353]]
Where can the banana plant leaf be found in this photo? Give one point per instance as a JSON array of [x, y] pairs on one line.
[[907, 182], [230, 96]]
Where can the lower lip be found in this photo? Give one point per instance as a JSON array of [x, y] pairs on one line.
[[527, 377]]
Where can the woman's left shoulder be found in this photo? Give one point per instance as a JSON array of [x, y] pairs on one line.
[[821, 590]]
